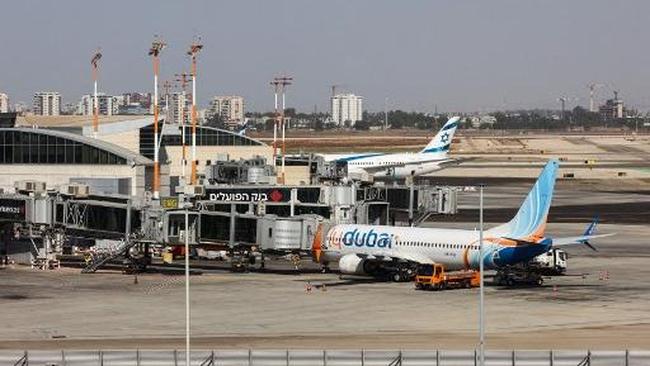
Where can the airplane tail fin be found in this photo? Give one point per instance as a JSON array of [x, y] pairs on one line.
[[442, 141], [529, 224]]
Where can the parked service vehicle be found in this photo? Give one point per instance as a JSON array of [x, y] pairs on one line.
[[434, 277], [551, 263]]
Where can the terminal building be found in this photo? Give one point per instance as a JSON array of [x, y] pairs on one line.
[[59, 150], [67, 188]]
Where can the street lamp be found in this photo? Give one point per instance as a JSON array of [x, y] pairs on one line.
[[187, 205], [481, 317]]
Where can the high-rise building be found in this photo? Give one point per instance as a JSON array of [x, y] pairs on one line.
[[230, 108], [347, 108], [143, 99], [47, 104], [107, 105], [179, 108], [4, 103]]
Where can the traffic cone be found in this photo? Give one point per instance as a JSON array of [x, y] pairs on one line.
[[135, 279]]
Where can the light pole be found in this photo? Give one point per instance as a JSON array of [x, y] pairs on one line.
[[182, 78], [156, 47], [187, 284], [95, 62], [385, 113], [195, 47], [481, 316]]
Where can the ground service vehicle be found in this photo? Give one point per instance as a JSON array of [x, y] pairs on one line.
[[551, 263], [434, 277]]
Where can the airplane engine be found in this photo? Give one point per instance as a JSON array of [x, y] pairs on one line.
[[352, 264]]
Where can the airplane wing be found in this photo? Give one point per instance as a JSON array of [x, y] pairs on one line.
[[413, 257], [409, 257], [584, 238], [455, 161], [573, 240]]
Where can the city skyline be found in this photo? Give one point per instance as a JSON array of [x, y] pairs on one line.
[[453, 56]]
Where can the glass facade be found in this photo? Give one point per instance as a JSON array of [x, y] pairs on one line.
[[35, 147], [205, 136]]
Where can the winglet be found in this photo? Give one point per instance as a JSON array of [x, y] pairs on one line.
[[591, 230]]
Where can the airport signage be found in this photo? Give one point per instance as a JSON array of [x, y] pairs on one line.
[[13, 210], [169, 203], [372, 194], [265, 194]]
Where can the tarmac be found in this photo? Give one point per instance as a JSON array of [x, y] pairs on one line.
[[602, 303]]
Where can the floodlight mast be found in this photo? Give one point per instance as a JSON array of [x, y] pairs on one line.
[[183, 78], [95, 64], [156, 47], [195, 47], [280, 84]]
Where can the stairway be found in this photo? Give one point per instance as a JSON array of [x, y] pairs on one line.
[[99, 261]]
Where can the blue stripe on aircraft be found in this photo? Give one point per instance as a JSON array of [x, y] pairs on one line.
[[437, 149], [356, 157], [450, 126]]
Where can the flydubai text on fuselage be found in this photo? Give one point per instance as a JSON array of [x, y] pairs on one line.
[[401, 165], [521, 239]]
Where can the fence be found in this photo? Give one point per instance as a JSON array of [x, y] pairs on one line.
[[322, 358]]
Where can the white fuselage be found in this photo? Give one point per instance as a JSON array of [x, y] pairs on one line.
[[453, 248], [398, 165]]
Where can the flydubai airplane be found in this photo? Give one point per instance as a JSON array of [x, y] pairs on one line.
[[377, 250], [433, 157]]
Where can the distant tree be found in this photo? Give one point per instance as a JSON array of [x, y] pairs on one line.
[[290, 112], [362, 125], [268, 125], [215, 120]]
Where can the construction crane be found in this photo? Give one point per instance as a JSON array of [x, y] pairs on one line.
[[333, 88], [95, 63], [156, 47], [194, 50]]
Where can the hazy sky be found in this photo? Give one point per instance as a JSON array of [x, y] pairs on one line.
[[458, 55]]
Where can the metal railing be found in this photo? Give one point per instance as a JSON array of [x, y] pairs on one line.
[[255, 357]]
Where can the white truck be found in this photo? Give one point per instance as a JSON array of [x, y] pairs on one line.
[[551, 263]]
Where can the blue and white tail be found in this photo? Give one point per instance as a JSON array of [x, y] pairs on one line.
[[442, 141], [529, 224]]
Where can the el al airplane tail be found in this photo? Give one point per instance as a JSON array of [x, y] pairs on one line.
[[441, 142], [529, 224]]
